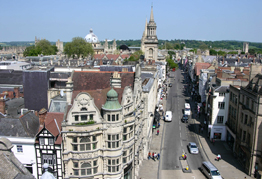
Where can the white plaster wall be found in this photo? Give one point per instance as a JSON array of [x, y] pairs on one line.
[[28, 155]]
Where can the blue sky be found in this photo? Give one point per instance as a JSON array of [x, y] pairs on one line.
[[122, 20]]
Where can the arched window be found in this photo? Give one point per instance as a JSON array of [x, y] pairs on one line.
[[151, 52], [86, 169], [86, 145]]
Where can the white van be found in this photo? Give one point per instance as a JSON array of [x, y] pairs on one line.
[[210, 170], [187, 110], [168, 116]]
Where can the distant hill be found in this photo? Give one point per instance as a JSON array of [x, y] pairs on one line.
[[223, 44]]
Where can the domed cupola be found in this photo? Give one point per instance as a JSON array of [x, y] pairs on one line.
[[91, 37], [112, 103]]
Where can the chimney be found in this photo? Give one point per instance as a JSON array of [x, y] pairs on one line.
[[2, 105], [42, 115], [17, 93]]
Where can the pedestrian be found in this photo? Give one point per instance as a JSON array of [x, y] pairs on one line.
[[153, 156], [157, 133], [158, 156], [158, 124], [149, 155]]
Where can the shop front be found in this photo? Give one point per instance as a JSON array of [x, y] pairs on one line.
[[217, 132]]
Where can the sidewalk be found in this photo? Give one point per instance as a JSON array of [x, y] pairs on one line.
[[229, 166], [149, 168]]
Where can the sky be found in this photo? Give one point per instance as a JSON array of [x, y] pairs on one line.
[[22, 20]]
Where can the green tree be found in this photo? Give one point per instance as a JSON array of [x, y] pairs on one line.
[[221, 53], [135, 56], [32, 51], [242, 52], [46, 47], [232, 52], [212, 52], [78, 47], [252, 51], [203, 47], [182, 46], [171, 53]]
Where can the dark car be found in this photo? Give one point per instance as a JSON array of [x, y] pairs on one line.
[[170, 85], [185, 118]]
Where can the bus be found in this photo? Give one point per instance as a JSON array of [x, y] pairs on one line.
[[187, 110]]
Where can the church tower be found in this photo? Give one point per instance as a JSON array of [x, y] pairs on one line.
[[149, 40]]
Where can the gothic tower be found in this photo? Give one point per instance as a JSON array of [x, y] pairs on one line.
[[150, 41]]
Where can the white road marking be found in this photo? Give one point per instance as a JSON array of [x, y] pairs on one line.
[[180, 135]]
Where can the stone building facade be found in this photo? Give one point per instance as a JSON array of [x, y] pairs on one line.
[[103, 131]]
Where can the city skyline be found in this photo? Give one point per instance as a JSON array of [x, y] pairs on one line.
[[124, 20]]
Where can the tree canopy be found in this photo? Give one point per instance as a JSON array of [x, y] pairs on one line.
[[42, 47], [78, 47], [135, 56]]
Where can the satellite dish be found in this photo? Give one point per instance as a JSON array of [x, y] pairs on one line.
[[62, 94]]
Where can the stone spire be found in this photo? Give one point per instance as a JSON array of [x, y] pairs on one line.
[[106, 45], [151, 15], [145, 32]]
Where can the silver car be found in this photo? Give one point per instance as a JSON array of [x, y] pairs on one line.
[[192, 147]]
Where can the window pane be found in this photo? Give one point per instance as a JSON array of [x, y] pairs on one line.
[[113, 145], [117, 144], [108, 137], [83, 171], [88, 147], [117, 137], [75, 148], [83, 117], [94, 170], [117, 117], [108, 117], [109, 169], [109, 162], [88, 171], [109, 144], [85, 139], [94, 138], [117, 168], [113, 169], [75, 164], [76, 118], [91, 116], [113, 137], [113, 162], [113, 117], [94, 146], [117, 161], [75, 172], [82, 147], [75, 139], [95, 163]]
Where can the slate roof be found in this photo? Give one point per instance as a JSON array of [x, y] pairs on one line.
[[100, 95], [11, 77], [93, 80], [60, 75], [118, 68], [26, 126], [222, 89]]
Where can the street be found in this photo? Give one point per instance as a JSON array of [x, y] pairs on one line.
[[177, 135]]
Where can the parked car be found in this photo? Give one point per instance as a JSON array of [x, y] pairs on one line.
[[185, 118], [192, 147], [170, 85]]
